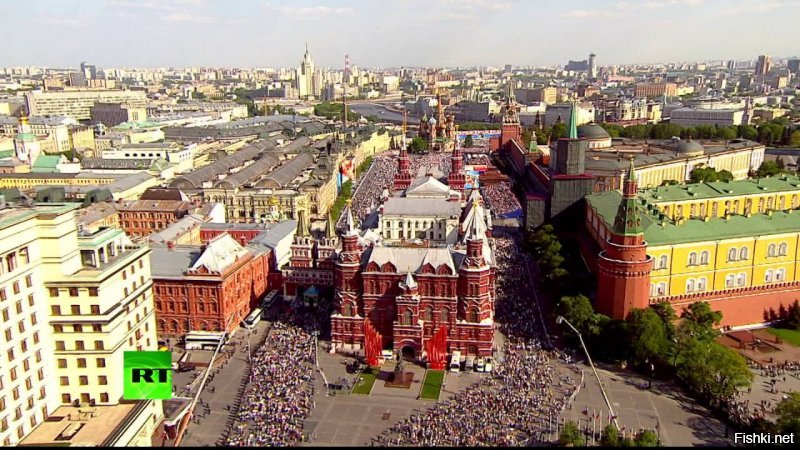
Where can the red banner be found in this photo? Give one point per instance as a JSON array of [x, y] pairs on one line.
[[372, 344], [437, 349]]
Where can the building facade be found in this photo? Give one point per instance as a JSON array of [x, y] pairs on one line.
[[734, 245], [78, 103]]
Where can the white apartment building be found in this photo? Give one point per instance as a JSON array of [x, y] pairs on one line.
[[180, 157], [78, 104], [85, 299], [691, 117]]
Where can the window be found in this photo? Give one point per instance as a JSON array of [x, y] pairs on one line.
[[55, 310], [729, 280], [62, 363], [772, 250], [782, 249], [732, 254], [780, 275], [21, 326], [75, 309], [662, 262], [73, 292], [92, 292], [769, 275], [445, 314], [5, 315], [77, 328], [79, 345], [83, 380], [701, 284], [692, 258], [28, 281], [743, 253], [104, 397], [82, 363], [101, 362], [36, 337], [97, 328], [53, 292], [64, 381], [18, 306], [10, 354], [704, 257], [8, 334], [95, 309], [428, 317], [65, 398], [102, 380], [58, 328], [98, 345], [3, 295], [34, 320], [741, 280]]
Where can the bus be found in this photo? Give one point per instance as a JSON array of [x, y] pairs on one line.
[[269, 299], [250, 321], [204, 340]]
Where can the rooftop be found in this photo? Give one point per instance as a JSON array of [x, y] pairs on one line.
[[83, 427], [405, 206], [717, 189]]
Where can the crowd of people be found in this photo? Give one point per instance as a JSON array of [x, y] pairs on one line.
[[280, 393], [517, 404], [500, 198], [744, 412]]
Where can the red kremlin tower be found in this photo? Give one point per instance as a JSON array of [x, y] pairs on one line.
[[624, 266], [456, 180]]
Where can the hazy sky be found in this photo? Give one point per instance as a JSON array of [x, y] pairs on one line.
[[270, 33]]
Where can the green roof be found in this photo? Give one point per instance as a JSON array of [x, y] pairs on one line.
[[698, 191], [697, 230], [46, 164], [26, 137], [6, 153]]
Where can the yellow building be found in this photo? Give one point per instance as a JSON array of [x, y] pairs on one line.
[[29, 180], [718, 240], [79, 301]]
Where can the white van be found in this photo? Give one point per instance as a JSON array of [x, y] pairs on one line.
[[455, 361], [489, 365], [470, 364], [387, 355], [480, 365]]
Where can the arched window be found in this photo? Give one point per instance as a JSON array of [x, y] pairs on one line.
[[782, 249], [428, 314], [472, 315], [794, 201], [741, 280], [701, 284], [445, 314], [408, 316], [690, 285], [704, 257], [729, 280], [693, 258], [780, 275], [769, 275], [662, 262], [347, 310], [662, 288], [652, 289], [732, 255], [772, 250], [743, 253]]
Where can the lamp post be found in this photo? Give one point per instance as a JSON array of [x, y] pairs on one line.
[[561, 319]]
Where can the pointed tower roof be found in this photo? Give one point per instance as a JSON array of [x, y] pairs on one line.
[[628, 221], [349, 222], [409, 282], [302, 225], [573, 121]]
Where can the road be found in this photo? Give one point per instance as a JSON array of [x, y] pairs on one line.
[[382, 112]]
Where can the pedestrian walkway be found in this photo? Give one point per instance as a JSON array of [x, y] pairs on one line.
[[215, 410]]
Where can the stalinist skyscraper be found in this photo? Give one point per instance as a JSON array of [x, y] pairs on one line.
[[305, 76]]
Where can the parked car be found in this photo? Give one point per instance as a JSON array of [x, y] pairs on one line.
[[480, 365]]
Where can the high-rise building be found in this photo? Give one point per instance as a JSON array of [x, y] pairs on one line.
[[89, 71], [304, 79], [763, 65], [793, 65], [78, 300], [592, 66]]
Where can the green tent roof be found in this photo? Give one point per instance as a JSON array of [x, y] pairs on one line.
[[46, 164]]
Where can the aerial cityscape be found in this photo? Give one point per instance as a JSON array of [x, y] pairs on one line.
[[478, 223]]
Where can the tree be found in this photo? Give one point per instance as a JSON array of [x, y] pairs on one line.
[[579, 312], [724, 175], [468, 141], [727, 133], [647, 335], [769, 168], [670, 182], [418, 144], [613, 129], [788, 413], [665, 130], [703, 175], [571, 435], [610, 436], [558, 131], [646, 438], [713, 370], [635, 132], [668, 317], [700, 319], [792, 320], [748, 132], [794, 140]]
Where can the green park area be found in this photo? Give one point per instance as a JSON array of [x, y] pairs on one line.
[[432, 384], [790, 336], [365, 381]]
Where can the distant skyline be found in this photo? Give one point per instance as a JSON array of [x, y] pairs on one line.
[[273, 33]]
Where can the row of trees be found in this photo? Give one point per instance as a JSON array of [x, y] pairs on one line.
[[338, 205], [334, 111], [650, 336], [546, 249], [571, 436]]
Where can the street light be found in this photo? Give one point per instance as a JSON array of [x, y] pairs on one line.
[[561, 319]]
